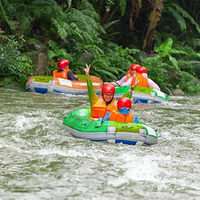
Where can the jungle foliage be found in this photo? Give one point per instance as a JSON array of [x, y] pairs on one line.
[[110, 34]]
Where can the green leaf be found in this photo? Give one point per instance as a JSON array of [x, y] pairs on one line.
[[178, 52], [69, 3], [175, 63], [122, 4], [140, 3], [109, 24], [186, 15], [106, 73], [179, 19], [165, 48]]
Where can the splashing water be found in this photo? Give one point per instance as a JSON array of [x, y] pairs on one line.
[[40, 160]]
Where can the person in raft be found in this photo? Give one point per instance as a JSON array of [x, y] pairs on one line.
[[124, 113], [130, 78], [143, 71], [100, 106], [103, 104], [133, 71], [63, 71]]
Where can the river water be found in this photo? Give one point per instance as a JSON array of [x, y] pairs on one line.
[[41, 160]]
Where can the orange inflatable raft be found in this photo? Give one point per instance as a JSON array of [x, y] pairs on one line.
[[44, 84]]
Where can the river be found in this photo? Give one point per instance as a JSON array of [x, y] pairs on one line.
[[41, 160]]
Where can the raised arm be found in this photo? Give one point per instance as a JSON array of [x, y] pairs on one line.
[[133, 86], [91, 93], [128, 94], [87, 71]]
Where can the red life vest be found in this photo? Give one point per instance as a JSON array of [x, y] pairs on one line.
[[118, 117], [99, 109], [62, 74]]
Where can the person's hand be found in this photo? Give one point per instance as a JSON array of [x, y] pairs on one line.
[[87, 70], [136, 82], [106, 83]]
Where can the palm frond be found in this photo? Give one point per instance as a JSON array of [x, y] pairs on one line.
[[186, 16], [179, 19], [104, 73]]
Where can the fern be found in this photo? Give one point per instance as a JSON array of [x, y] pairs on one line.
[[92, 49], [105, 74], [179, 13], [189, 83], [88, 10], [179, 19], [61, 28], [13, 63], [195, 42], [4, 16]]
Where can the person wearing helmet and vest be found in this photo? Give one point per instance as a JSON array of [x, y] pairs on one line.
[[100, 106], [64, 71], [130, 73], [143, 71], [123, 114], [133, 76]]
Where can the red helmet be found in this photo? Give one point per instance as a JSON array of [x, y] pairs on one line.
[[134, 66], [63, 63], [141, 70], [124, 102], [108, 89]]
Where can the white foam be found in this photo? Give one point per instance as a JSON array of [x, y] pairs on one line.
[[139, 169], [21, 122]]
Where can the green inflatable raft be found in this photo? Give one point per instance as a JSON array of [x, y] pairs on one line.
[[143, 94], [78, 123]]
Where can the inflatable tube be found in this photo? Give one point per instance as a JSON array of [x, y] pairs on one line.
[[143, 94], [44, 84], [153, 85], [78, 123]]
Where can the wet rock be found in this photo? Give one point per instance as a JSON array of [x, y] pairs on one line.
[[139, 55], [167, 91], [42, 64], [178, 92], [39, 58]]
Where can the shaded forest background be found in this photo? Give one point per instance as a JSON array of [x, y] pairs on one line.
[[162, 35]]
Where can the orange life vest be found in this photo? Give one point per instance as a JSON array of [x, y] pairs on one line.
[[128, 75], [143, 82], [118, 117], [62, 74], [99, 109]]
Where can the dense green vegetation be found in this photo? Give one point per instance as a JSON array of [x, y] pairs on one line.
[[110, 34]]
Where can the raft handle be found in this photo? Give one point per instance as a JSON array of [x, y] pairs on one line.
[[98, 124], [125, 126]]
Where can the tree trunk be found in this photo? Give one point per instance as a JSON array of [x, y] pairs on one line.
[[134, 13], [154, 18]]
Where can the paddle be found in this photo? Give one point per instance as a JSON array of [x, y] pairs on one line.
[[117, 83], [133, 86]]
